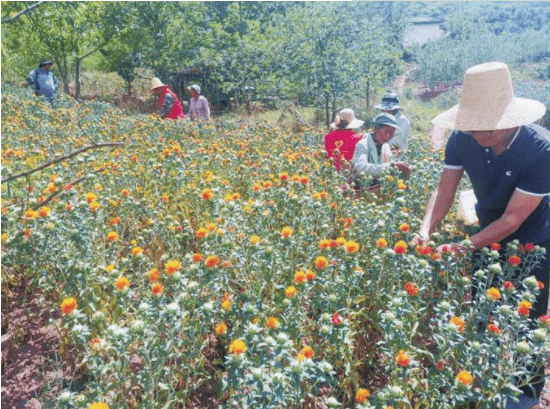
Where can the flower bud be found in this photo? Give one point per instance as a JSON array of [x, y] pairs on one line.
[[540, 334], [495, 268], [523, 347]]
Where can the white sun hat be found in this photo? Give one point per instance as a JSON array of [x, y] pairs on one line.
[[488, 102], [346, 120], [156, 83]]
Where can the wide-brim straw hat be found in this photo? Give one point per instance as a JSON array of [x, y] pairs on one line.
[[488, 102], [156, 83], [347, 118]]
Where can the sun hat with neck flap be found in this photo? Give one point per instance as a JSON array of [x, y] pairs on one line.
[[346, 120], [488, 102]]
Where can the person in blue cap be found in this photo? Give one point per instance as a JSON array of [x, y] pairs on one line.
[[43, 81], [390, 105]]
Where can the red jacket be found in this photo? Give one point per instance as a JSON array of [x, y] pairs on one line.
[[176, 111], [344, 141]]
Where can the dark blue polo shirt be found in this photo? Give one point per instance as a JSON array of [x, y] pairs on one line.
[[524, 165]]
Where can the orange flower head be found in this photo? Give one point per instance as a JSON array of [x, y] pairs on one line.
[[381, 243], [412, 289], [308, 352], [458, 323], [514, 261], [283, 176], [403, 359], [362, 395], [404, 227], [197, 258], [465, 378], [115, 221], [400, 247], [154, 275], [44, 211], [68, 305], [91, 197], [324, 244], [300, 277], [157, 289], [310, 275], [495, 246], [493, 329], [286, 232], [226, 304], [136, 251], [524, 307], [221, 329], [94, 206], [207, 194], [340, 241], [272, 323], [112, 236], [304, 180], [211, 226], [125, 192], [290, 291], [321, 263], [212, 261], [508, 286], [122, 283], [172, 266], [352, 247], [254, 240], [493, 294], [201, 233], [237, 347]]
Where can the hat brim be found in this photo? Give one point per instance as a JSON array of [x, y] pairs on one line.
[[356, 123], [518, 112], [387, 107]]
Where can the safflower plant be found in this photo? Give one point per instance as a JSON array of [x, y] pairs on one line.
[[212, 260]]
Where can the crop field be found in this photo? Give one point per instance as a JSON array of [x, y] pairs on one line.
[[191, 265]]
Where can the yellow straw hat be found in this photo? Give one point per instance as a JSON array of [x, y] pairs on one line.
[[156, 83], [488, 102]]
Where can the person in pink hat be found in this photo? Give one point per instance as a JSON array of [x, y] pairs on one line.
[[507, 159]]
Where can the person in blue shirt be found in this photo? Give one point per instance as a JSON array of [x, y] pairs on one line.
[[508, 163], [43, 81]]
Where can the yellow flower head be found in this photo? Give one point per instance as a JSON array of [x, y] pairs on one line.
[[98, 405], [221, 329], [122, 283], [465, 378], [68, 305], [362, 395], [300, 277], [352, 247], [290, 291], [321, 263], [286, 232], [493, 294], [272, 323], [237, 347], [172, 266]]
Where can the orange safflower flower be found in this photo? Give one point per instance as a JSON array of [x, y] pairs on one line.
[[290, 291], [91, 197], [94, 206], [304, 180], [136, 251], [286, 232], [352, 247], [197, 258], [494, 329], [125, 192], [283, 176], [495, 246], [493, 294], [465, 378], [44, 211], [201, 233], [310, 275], [157, 289], [254, 240], [524, 307], [321, 263], [508, 286], [211, 226], [308, 352], [68, 305], [336, 319], [459, 323], [400, 247], [324, 244], [272, 323], [381, 243], [237, 347], [207, 194], [436, 256], [172, 266], [165, 198], [121, 283], [404, 227], [112, 236], [412, 289], [226, 304], [221, 329], [540, 285], [300, 277], [115, 221], [98, 405], [514, 261], [403, 359], [340, 241], [362, 395], [154, 275], [212, 261]]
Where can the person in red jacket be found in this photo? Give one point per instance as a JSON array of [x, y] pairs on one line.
[[169, 105], [341, 142]]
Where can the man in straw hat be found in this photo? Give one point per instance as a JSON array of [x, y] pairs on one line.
[[508, 163], [390, 105], [372, 154], [169, 104], [43, 81], [340, 143]]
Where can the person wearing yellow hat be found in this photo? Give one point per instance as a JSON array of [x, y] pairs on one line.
[[169, 104], [507, 159]]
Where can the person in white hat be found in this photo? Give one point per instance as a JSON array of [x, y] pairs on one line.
[[198, 104], [373, 155], [340, 143], [508, 163], [390, 105], [169, 104]]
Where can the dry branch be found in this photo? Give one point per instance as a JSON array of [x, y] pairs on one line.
[[60, 159]]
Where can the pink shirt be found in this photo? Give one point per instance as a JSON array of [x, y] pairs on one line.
[[343, 140]]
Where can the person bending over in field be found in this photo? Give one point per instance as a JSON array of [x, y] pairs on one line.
[[508, 163], [340, 143], [373, 154], [169, 104]]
